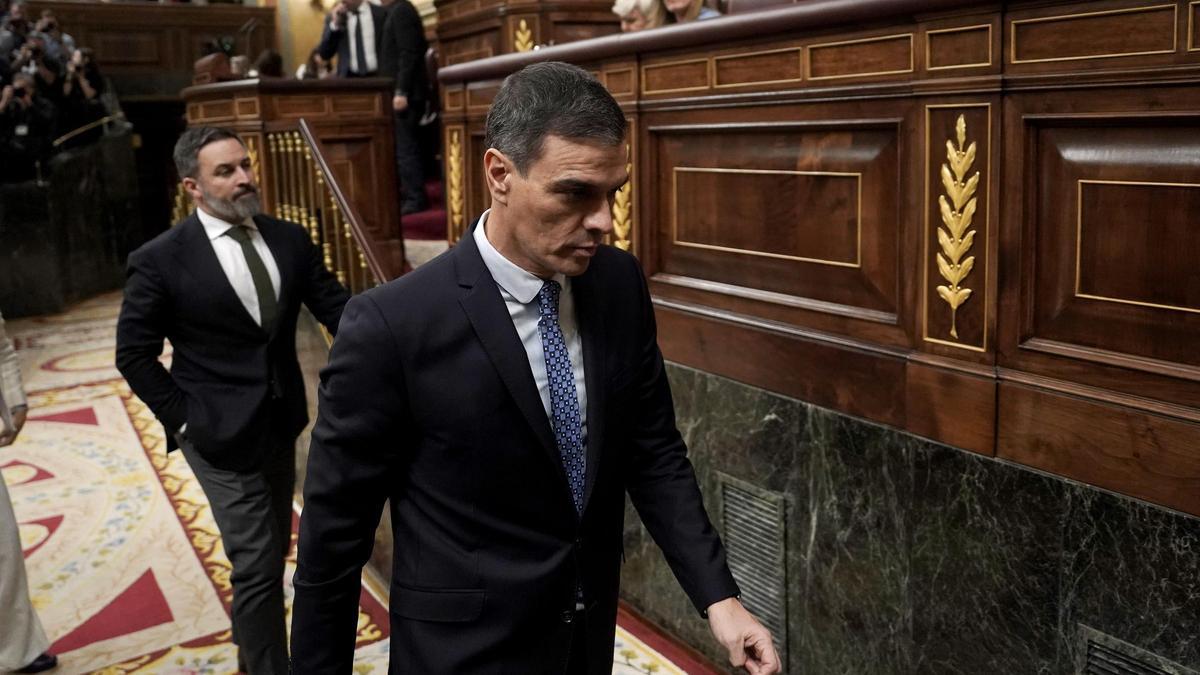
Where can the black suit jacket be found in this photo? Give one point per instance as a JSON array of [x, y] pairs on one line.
[[236, 385], [403, 51], [428, 400], [337, 42]]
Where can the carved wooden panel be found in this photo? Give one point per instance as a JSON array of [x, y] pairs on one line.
[[1090, 32], [572, 31], [356, 104], [862, 57], [355, 163], [675, 76], [959, 47], [801, 217], [296, 106], [1116, 242], [1193, 26], [247, 107], [765, 67], [453, 98], [620, 82], [480, 95]]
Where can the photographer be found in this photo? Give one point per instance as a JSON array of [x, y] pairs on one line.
[[26, 127], [81, 101], [14, 29], [46, 71], [59, 45]]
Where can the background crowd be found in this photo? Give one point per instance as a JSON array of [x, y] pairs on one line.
[[49, 87], [638, 15]]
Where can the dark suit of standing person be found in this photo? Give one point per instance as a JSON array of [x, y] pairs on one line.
[[353, 33], [225, 286], [403, 53], [505, 397]]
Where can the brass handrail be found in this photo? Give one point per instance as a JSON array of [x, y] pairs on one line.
[[86, 128]]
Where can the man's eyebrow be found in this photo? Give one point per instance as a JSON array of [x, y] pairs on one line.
[[580, 185]]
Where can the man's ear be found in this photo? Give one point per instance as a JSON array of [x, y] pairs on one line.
[[193, 188], [499, 172]]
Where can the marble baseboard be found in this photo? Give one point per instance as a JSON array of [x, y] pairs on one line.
[[910, 557]]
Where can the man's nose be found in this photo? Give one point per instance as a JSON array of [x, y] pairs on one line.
[[245, 175], [600, 219]]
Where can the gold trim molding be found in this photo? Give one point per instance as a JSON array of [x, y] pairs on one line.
[[1191, 27], [1079, 244], [716, 60], [1128, 10], [708, 67], [912, 66], [959, 29], [765, 254]]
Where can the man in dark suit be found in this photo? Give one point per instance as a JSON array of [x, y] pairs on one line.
[[353, 33], [403, 55], [225, 287], [505, 397]]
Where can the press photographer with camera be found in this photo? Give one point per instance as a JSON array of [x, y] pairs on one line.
[[26, 128]]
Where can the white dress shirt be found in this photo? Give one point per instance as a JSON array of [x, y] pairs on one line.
[[520, 289], [233, 261], [368, 32]]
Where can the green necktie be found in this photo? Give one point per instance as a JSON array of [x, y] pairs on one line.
[[268, 306]]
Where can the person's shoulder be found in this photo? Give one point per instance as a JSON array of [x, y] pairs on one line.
[[162, 242], [612, 263], [422, 289], [287, 227]]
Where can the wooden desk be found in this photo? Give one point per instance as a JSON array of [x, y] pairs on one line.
[[974, 222], [477, 29]]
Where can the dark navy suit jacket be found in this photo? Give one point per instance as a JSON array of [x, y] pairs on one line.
[[429, 401]]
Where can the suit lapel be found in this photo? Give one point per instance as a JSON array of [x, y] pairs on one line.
[[195, 253], [493, 326], [591, 329]]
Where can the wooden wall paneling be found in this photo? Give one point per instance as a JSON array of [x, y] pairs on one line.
[[847, 376], [1108, 292], [1193, 26], [1097, 35], [892, 54], [951, 402], [797, 222], [1143, 455], [956, 48]]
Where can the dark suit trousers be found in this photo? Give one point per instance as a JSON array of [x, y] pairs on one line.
[[253, 510], [409, 167]]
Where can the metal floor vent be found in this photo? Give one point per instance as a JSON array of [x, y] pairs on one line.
[[755, 532], [1104, 654]]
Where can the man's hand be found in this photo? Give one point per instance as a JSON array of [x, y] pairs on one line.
[[748, 642], [399, 103], [18, 417], [339, 14]]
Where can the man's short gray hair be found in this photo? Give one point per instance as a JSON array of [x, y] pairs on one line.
[[187, 149], [551, 98]]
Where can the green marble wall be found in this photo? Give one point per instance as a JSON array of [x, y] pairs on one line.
[[911, 557]]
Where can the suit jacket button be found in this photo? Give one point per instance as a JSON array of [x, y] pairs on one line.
[[568, 616]]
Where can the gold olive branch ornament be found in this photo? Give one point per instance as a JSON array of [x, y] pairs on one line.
[[622, 213], [455, 160], [523, 40], [958, 211]]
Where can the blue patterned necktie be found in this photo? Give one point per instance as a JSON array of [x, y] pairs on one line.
[[564, 402]]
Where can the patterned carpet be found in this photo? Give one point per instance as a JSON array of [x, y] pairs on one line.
[[125, 563]]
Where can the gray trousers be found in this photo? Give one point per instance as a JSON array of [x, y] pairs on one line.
[[253, 510], [21, 636]]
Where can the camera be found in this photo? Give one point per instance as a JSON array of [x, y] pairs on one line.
[[19, 92]]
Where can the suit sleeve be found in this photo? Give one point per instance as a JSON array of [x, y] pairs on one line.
[[330, 39], [141, 329], [662, 482], [355, 445], [324, 296], [403, 36]]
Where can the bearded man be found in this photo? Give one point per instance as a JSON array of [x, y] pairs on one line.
[[225, 287]]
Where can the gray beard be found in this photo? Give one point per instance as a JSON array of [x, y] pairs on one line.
[[234, 210]]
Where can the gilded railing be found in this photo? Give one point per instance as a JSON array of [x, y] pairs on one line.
[[306, 192]]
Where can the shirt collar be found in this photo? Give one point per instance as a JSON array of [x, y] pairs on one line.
[[517, 282], [215, 227]]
